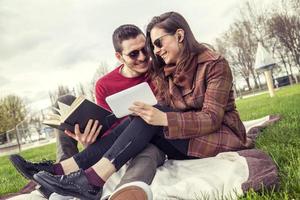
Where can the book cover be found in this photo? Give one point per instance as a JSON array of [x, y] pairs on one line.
[[79, 112]]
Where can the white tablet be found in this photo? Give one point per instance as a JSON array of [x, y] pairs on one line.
[[120, 102]]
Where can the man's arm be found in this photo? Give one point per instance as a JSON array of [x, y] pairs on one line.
[[89, 135]]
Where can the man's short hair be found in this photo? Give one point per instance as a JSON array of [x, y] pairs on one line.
[[124, 32]]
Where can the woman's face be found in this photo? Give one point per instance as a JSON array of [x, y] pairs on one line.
[[165, 45]]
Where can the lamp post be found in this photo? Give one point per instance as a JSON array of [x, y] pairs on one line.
[[264, 62], [18, 135]]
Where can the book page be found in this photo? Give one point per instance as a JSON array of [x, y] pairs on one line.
[[73, 107], [63, 109], [52, 118], [56, 109]]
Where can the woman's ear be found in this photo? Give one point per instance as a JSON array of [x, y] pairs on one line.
[[180, 35]]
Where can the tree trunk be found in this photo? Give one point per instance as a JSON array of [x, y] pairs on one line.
[[254, 78], [258, 80], [248, 83]]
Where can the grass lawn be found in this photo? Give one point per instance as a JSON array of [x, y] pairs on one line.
[[10, 179], [281, 141]]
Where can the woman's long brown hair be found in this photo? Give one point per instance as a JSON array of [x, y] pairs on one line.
[[170, 22]]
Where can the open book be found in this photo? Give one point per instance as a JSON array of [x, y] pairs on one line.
[[79, 112]]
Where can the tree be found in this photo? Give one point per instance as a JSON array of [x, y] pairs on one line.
[[286, 29], [81, 90], [277, 28], [12, 112], [4, 120], [100, 71], [240, 50]]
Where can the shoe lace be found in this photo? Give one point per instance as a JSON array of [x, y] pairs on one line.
[[76, 173], [66, 178], [43, 163], [94, 190]]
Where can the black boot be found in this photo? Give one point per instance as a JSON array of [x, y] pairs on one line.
[[28, 169], [46, 193], [74, 184]]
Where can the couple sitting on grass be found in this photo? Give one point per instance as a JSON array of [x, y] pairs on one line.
[[196, 116]]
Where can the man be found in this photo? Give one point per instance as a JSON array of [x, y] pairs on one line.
[[129, 44]]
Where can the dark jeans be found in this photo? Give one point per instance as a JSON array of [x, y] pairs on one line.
[[141, 168], [94, 152], [127, 140]]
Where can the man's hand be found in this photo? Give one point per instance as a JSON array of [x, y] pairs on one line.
[[89, 135], [149, 114]]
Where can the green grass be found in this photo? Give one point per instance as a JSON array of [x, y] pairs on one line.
[[281, 141], [10, 179]]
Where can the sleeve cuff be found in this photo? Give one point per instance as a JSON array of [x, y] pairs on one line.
[[172, 131]]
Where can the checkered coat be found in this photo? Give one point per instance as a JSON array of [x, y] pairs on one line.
[[209, 118]]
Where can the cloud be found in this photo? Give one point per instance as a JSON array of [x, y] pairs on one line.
[[72, 54], [16, 45], [4, 81], [47, 43]]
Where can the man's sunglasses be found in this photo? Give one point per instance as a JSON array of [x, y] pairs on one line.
[[135, 53], [158, 41]]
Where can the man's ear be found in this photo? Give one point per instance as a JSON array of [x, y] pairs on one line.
[[119, 57], [180, 34]]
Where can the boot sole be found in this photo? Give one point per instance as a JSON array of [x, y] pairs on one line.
[[130, 192], [43, 191]]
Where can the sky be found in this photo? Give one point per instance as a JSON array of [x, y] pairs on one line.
[[46, 43]]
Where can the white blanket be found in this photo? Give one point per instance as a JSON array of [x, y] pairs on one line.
[[218, 177], [212, 178]]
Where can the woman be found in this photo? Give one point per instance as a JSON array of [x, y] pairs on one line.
[[196, 116], [199, 85]]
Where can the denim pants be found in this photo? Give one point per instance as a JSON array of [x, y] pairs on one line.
[[127, 140], [141, 168]]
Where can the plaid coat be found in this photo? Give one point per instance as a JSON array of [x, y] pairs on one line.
[[209, 120]]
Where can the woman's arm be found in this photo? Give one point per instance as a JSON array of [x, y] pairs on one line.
[[182, 125], [149, 114]]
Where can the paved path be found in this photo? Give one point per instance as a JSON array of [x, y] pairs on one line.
[[27, 146]]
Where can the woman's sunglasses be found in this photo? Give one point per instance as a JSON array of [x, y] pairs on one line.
[[135, 53], [158, 41]]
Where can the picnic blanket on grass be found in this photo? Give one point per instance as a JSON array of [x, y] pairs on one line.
[[227, 175]]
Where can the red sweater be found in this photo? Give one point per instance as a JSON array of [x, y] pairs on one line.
[[112, 83]]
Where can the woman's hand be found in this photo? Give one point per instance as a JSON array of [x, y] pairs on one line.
[[149, 114], [89, 135]]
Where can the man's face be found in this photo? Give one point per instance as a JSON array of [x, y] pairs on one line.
[[134, 55]]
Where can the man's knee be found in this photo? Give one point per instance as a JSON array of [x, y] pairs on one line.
[[66, 146], [66, 99], [153, 153]]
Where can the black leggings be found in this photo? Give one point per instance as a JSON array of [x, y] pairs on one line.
[[127, 140]]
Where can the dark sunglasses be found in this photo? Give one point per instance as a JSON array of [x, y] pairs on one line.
[[158, 41], [135, 53]]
